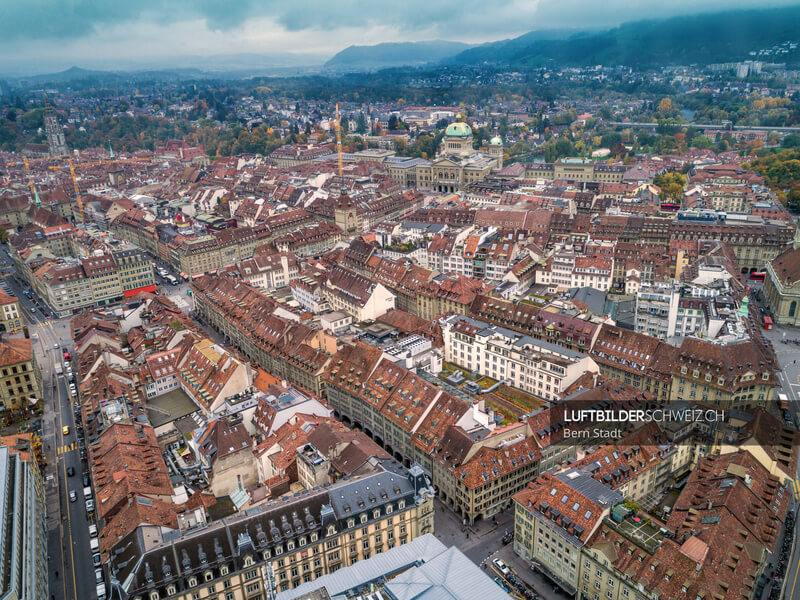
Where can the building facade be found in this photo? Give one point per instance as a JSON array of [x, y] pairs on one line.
[[24, 540], [281, 544]]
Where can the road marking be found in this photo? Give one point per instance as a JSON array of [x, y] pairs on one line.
[[68, 448]]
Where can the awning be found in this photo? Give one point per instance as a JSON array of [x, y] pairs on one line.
[[133, 292]]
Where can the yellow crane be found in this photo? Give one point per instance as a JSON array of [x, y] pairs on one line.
[[339, 143], [28, 175], [95, 163], [78, 197], [26, 160], [76, 187]]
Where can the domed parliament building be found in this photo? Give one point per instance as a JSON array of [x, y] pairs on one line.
[[458, 164]]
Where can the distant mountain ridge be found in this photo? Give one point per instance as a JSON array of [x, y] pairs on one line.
[[702, 39], [395, 54]]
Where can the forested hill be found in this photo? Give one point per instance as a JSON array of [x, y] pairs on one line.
[[696, 39], [394, 54]]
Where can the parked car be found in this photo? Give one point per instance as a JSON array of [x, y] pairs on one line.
[[72, 496], [502, 584], [502, 567]]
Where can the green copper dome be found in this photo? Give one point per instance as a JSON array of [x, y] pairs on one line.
[[496, 141], [458, 130]]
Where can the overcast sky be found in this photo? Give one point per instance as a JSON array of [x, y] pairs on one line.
[[50, 35]]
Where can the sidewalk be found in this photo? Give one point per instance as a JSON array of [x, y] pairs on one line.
[[535, 581]]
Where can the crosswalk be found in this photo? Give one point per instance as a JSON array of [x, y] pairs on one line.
[[67, 448]]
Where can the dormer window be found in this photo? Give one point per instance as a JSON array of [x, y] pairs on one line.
[[376, 514], [401, 505], [314, 537], [289, 546], [350, 523], [208, 576], [331, 530], [363, 517], [223, 570], [171, 590], [192, 581]]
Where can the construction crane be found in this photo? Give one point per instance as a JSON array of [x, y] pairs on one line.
[[100, 162], [339, 144], [72, 166], [28, 175], [78, 197], [26, 160]]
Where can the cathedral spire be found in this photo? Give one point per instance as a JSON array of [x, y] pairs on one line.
[[56, 143]]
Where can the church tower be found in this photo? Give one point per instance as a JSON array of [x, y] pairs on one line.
[[56, 142], [495, 150]]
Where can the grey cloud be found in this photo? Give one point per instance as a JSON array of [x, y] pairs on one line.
[[449, 19]]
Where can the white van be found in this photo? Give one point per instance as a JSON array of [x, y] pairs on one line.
[[94, 545], [101, 591], [87, 492], [92, 531]]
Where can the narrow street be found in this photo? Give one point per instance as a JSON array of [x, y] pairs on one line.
[[71, 571]]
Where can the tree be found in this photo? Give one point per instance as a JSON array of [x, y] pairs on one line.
[[665, 106], [671, 184], [11, 115], [361, 123], [791, 141], [393, 120], [793, 199], [701, 142]]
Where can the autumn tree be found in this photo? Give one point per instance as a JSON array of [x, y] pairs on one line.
[[665, 106]]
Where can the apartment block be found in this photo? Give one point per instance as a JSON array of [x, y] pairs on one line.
[[533, 366], [24, 540], [280, 544]]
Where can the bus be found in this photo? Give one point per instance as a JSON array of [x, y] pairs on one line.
[[758, 276], [672, 206], [767, 322]]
